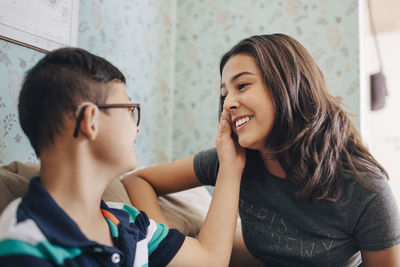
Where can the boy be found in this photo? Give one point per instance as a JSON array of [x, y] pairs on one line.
[[74, 108]]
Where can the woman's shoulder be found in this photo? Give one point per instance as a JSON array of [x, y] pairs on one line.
[[207, 153], [206, 166], [366, 187], [206, 157], [370, 179]]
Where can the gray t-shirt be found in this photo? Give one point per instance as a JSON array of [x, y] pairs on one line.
[[282, 229]]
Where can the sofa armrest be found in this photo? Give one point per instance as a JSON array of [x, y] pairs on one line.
[[14, 181]]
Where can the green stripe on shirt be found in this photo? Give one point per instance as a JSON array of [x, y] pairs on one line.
[[158, 236], [43, 250], [132, 211], [113, 228]]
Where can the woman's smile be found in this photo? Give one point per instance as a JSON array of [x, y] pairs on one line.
[[240, 122]]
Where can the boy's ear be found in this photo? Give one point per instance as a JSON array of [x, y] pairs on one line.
[[89, 125]]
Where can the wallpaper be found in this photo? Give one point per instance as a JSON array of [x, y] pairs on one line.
[[133, 35], [15, 60], [136, 37], [206, 29], [169, 51]]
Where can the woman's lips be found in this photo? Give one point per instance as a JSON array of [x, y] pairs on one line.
[[240, 122]]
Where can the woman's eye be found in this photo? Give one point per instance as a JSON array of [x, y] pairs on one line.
[[242, 85]]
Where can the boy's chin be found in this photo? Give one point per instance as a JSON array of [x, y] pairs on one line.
[[131, 167], [134, 164], [127, 172]]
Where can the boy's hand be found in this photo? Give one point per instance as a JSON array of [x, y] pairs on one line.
[[213, 246], [230, 153]]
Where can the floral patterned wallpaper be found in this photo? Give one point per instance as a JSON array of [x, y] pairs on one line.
[[169, 51], [206, 29], [134, 35], [15, 60]]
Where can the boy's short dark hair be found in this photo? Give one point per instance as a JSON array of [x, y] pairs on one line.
[[56, 85]]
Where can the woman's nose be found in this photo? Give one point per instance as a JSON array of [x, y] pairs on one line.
[[230, 102]]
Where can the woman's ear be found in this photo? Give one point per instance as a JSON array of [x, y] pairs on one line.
[[89, 124]]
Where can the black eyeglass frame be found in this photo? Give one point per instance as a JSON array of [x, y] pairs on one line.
[[131, 106]]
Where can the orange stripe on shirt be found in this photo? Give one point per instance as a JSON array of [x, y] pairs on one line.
[[110, 216]]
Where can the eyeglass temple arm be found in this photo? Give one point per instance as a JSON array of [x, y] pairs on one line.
[[78, 121]]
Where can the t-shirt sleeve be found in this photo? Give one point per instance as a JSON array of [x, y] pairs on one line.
[[379, 225], [206, 166], [163, 243]]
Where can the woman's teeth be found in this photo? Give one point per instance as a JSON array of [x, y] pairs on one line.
[[242, 121]]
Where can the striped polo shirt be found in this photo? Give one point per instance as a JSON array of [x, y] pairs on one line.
[[34, 231]]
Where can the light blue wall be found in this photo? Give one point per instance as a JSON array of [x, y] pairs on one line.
[[14, 61], [134, 35], [206, 29], [170, 50]]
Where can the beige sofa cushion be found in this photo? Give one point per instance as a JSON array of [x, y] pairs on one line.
[[14, 180]]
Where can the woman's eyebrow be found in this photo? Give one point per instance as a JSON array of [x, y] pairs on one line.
[[237, 76]]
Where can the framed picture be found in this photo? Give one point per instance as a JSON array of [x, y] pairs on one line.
[[43, 25]]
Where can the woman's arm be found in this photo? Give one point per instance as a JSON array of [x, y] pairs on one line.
[[145, 185], [386, 258]]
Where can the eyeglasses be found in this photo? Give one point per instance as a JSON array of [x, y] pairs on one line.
[[134, 109]]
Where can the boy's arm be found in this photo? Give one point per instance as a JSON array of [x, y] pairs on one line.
[[213, 245], [240, 255]]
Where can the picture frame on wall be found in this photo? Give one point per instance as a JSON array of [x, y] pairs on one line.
[[43, 25]]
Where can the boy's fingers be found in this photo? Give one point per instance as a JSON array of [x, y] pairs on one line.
[[219, 133], [225, 115], [226, 127], [223, 127]]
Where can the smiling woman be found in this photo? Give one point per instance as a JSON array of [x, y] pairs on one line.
[[311, 193], [248, 101]]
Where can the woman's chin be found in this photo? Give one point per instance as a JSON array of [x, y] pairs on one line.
[[250, 145], [244, 143]]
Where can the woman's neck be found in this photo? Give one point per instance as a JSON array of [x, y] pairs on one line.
[[272, 164]]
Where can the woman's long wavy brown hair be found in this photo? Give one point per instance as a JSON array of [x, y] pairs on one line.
[[312, 138]]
